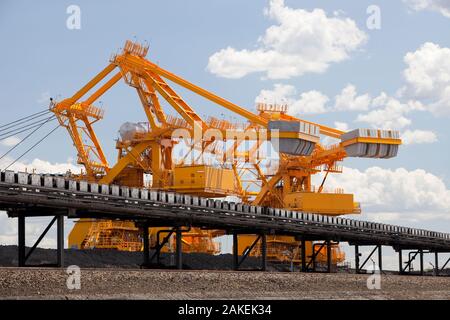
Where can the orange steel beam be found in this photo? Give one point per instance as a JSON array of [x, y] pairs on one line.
[[99, 77], [266, 189], [372, 140], [97, 145], [73, 128], [161, 116], [143, 97], [124, 161], [175, 101], [133, 154], [111, 82], [150, 66]]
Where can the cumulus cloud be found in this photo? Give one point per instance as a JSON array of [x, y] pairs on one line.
[[280, 93], [383, 111], [396, 194], [343, 126], [441, 6], [314, 101], [418, 137], [427, 77], [305, 103], [389, 112], [299, 42], [10, 141], [35, 226], [348, 100], [309, 102], [40, 166], [426, 88]]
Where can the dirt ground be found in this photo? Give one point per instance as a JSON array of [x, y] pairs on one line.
[[47, 283]]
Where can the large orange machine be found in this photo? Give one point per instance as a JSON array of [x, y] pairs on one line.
[[214, 157]]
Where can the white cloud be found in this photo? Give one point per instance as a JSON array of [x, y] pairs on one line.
[[11, 141], [35, 226], [396, 194], [427, 77], [441, 6], [309, 102], [279, 94], [427, 88], [299, 42], [389, 113], [348, 100], [418, 137], [40, 166], [385, 112], [428, 70], [306, 103], [326, 140], [343, 126]]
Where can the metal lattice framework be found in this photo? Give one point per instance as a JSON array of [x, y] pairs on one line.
[[301, 155]]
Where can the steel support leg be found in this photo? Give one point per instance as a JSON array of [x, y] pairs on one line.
[[357, 258], [263, 252], [31, 250], [368, 257], [328, 256], [380, 259], [303, 253], [157, 253], [60, 241], [146, 251], [235, 252], [445, 264], [315, 253], [248, 250], [436, 263], [159, 245], [179, 249], [313, 260], [421, 262], [400, 262], [21, 240]]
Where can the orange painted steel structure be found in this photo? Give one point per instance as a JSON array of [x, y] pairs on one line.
[[236, 172]]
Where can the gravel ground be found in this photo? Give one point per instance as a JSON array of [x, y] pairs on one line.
[[46, 283], [109, 274]]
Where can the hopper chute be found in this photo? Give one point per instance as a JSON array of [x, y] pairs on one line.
[[295, 137], [371, 143]]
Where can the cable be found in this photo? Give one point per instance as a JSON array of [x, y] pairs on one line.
[[24, 118], [9, 126], [33, 146], [4, 155], [25, 128], [43, 111]]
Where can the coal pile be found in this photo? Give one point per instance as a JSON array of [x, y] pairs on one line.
[[103, 258]]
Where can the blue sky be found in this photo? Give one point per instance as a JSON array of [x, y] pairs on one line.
[[41, 57]]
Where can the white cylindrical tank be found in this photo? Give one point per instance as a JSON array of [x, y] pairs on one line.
[[129, 129]]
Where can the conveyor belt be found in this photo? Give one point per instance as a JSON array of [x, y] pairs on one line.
[[46, 194]]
